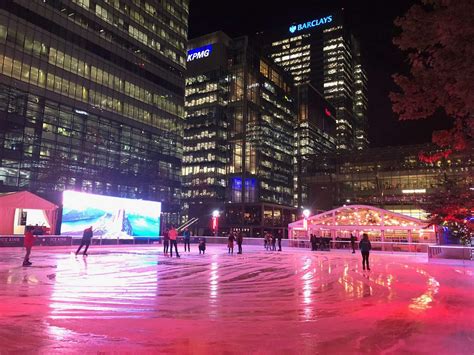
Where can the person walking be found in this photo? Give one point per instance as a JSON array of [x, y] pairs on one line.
[[86, 240], [279, 241], [365, 247], [240, 239], [173, 235], [312, 239], [230, 244], [166, 241], [187, 239], [353, 239], [28, 242]]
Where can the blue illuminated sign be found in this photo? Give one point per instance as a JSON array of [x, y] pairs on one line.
[[199, 53], [310, 24]]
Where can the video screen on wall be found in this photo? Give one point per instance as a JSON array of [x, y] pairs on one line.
[[110, 217]]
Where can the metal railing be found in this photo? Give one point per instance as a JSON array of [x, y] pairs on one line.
[[458, 252]]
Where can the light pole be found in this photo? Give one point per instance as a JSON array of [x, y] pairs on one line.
[[215, 221], [306, 213]]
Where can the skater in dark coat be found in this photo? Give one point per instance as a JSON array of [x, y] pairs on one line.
[[86, 240], [240, 239], [230, 244], [353, 240], [365, 247], [279, 241], [166, 241], [202, 245], [187, 239], [274, 240]]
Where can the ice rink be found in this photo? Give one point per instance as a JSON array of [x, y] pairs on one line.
[[133, 299]]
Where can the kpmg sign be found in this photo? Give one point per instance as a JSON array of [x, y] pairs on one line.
[[199, 53], [310, 24]]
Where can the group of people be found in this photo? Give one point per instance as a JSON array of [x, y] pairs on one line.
[[171, 235], [364, 246], [269, 241], [237, 237], [319, 242], [170, 239], [31, 232]]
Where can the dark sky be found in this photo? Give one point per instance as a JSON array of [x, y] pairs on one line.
[[372, 23]]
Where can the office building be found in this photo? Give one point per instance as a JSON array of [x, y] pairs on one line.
[[392, 178], [315, 135], [92, 97], [239, 137], [322, 51]]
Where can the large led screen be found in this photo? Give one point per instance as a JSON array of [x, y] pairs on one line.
[[110, 217]]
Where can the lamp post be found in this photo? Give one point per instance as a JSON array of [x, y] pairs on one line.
[[215, 221], [306, 213]]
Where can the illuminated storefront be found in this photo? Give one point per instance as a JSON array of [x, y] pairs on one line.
[[381, 225]]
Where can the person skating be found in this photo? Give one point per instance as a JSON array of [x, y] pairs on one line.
[[230, 243], [353, 239], [268, 240], [240, 239], [28, 242], [365, 247], [312, 239], [279, 241], [173, 235], [187, 239], [86, 240], [274, 240], [202, 245], [166, 241]]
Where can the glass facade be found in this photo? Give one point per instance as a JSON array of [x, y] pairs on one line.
[[329, 58], [92, 97], [239, 137], [315, 134], [392, 178]]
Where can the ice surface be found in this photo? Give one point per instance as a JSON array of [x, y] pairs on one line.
[[133, 299]]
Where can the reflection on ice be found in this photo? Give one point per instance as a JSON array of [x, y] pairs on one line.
[[134, 299]]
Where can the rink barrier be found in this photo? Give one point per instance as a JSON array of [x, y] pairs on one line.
[[451, 252], [432, 250]]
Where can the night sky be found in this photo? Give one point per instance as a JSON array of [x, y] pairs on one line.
[[371, 22]]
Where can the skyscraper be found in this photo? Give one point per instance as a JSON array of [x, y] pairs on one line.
[[323, 52], [239, 136], [92, 97]]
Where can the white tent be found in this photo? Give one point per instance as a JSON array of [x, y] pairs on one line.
[[380, 224]]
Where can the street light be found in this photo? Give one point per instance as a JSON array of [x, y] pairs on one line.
[[306, 213], [215, 221]]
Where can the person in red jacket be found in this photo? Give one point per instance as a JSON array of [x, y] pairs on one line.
[[173, 235], [28, 242]]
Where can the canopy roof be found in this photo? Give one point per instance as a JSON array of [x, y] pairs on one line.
[[26, 200], [361, 216]]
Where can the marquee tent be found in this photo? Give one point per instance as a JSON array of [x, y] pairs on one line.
[[381, 225], [10, 202]]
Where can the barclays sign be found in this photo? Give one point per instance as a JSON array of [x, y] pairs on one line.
[[310, 24], [199, 53]]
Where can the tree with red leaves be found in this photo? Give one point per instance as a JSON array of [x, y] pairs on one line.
[[438, 38], [453, 208]]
